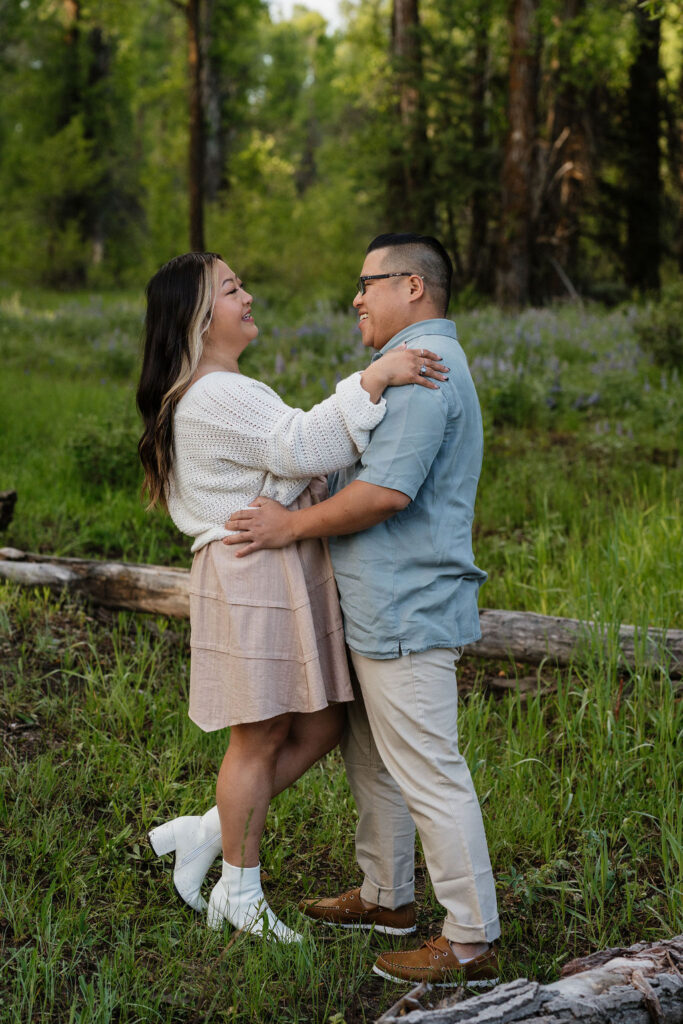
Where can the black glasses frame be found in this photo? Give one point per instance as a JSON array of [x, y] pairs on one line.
[[379, 277]]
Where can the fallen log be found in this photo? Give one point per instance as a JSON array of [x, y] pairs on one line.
[[530, 637], [139, 588], [521, 636], [642, 984]]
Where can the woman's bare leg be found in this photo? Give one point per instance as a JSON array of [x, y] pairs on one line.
[[245, 785], [263, 759], [310, 737]]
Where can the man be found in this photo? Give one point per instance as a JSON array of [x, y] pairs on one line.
[[399, 523]]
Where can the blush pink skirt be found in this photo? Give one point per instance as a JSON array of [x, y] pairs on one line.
[[266, 632]]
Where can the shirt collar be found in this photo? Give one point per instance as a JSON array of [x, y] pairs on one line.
[[413, 331]]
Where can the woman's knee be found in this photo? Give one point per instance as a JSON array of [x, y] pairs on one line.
[[262, 740], [334, 726], [320, 731]]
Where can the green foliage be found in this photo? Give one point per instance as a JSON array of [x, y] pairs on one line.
[[105, 454], [516, 404], [580, 794], [303, 138], [660, 328], [578, 514]]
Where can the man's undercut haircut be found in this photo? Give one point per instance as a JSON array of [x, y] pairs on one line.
[[421, 254]]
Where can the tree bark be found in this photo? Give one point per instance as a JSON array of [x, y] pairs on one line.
[[214, 154], [513, 282], [567, 170], [478, 258], [643, 248], [528, 636], [139, 588], [639, 985], [680, 170], [196, 182], [410, 194], [522, 636]]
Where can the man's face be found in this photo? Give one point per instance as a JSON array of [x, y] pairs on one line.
[[385, 308]]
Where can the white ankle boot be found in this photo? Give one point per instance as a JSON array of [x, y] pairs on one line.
[[238, 898], [196, 842]]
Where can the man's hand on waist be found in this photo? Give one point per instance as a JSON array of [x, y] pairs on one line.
[[268, 524], [265, 524]]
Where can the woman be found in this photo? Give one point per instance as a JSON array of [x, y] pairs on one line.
[[267, 643]]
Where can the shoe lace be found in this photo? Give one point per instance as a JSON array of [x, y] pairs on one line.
[[434, 949]]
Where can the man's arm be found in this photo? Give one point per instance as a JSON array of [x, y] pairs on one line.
[[267, 524]]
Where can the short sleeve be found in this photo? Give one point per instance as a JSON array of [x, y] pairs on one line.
[[404, 445]]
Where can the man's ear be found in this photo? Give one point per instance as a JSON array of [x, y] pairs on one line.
[[417, 287]]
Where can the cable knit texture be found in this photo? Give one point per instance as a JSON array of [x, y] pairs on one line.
[[234, 439]]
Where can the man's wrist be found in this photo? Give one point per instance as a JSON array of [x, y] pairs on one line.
[[295, 526]]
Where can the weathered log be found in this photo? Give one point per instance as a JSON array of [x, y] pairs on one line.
[[8, 500], [639, 985], [522, 636], [530, 637], [140, 588]]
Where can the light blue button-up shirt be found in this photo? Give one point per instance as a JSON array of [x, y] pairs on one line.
[[410, 583]]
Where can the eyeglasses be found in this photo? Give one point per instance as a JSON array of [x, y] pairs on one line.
[[379, 277]]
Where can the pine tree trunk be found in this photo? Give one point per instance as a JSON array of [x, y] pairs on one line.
[[197, 131], [680, 171], [72, 90], [643, 188], [214, 156], [478, 256], [513, 279], [410, 196], [570, 164]]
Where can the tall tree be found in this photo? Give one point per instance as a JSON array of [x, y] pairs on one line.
[[411, 202], [233, 40], [196, 156], [564, 165], [513, 278], [680, 169], [478, 259], [643, 182]]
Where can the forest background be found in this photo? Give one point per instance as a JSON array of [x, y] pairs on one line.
[[542, 140]]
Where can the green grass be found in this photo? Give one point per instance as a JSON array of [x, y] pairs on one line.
[[579, 792], [578, 515]]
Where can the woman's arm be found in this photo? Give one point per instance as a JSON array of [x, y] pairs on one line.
[[250, 425]]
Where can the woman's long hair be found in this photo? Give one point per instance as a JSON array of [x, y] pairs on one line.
[[180, 300]]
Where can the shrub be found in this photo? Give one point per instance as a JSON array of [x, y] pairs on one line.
[[660, 328], [514, 404], [105, 453]]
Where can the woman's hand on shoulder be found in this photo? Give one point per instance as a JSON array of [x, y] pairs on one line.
[[404, 366]]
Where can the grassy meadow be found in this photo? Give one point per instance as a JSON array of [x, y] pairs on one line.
[[578, 514]]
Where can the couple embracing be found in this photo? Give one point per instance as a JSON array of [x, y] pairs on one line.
[[240, 471]]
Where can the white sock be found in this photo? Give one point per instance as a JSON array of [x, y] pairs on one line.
[[239, 899]]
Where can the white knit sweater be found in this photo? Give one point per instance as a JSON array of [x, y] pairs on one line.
[[234, 439]]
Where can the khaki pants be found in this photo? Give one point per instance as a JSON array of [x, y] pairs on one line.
[[405, 770]]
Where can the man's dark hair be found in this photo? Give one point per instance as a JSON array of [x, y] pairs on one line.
[[421, 254]]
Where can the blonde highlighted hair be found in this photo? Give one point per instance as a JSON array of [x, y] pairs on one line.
[[180, 300]]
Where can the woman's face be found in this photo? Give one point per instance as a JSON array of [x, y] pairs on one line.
[[232, 326]]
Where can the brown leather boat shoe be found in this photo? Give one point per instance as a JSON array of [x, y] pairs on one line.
[[347, 911], [436, 963]]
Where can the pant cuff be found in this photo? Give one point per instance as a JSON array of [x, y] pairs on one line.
[[488, 932], [389, 898]]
